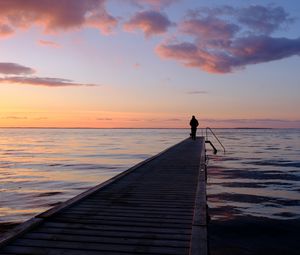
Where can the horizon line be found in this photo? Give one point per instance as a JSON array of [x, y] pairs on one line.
[[147, 128]]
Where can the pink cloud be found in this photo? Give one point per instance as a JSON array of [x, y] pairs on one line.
[[5, 30], [13, 68], [42, 81], [54, 15], [150, 22], [183, 51], [242, 52], [210, 30], [222, 40], [191, 56], [48, 43]]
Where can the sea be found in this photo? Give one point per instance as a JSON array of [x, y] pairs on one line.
[[253, 186]]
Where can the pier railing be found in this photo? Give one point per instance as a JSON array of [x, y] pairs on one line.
[[207, 130]]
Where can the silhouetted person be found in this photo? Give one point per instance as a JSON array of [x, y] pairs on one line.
[[194, 124]]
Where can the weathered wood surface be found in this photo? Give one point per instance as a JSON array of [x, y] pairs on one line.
[[156, 207]]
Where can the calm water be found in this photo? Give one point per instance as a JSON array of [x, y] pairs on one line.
[[254, 193], [256, 182], [42, 167], [259, 175]]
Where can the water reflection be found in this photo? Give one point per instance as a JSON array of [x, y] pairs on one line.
[[42, 167], [258, 176]]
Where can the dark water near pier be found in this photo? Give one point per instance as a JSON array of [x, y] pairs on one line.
[[253, 189], [254, 193]]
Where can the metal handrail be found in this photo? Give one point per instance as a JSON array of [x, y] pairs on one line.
[[208, 128]]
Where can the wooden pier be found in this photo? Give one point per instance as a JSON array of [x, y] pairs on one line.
[[155, 207]]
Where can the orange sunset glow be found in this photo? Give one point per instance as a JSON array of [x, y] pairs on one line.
[[139, 64]]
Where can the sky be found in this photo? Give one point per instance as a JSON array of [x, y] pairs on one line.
[[149, 63]]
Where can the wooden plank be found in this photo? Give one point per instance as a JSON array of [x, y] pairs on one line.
[[57, 251], [160, 196], [147, 208], [114, 233], [18, 231], [128, 219], [146, 194], [130, 214], [139, 229], [90, 246], [123, 223], [124, 203], [108, 240], [158, 193], [127, 210], [133, 200], [138, 203], [142, 199]]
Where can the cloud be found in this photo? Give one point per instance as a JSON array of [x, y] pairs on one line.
[[17, 74], [13, 68], [5, 30], [153, 3], [173, 119], [105, 119], [197, 92], [255, 18], [48, 43], [150, 22], [263, 19], [258, 49], [14, 118], [54, 15], [242, 52], [42, 81], [210, 30], [222, 40]]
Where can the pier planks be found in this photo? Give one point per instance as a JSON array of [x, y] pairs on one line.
[[156, 207]]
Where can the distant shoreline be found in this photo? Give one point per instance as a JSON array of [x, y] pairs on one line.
[[267, 128]]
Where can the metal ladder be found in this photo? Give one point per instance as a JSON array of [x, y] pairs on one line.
[[209, 142]]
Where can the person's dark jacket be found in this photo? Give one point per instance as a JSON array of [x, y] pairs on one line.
[[194, 123]]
